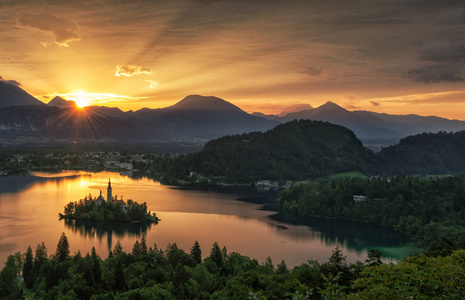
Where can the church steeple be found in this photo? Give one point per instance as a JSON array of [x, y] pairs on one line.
[[109, 193]]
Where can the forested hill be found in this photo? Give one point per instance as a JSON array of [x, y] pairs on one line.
[[427, 153], [296, 150]]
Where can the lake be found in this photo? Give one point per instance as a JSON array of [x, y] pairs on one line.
[[234, 217]]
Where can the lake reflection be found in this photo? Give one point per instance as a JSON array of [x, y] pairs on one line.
[[29, 207]]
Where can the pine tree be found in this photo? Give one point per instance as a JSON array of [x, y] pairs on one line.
[[143, 246], [224, 253], [196, 252], [118, 248], [216, 255], [119, 276], [62, 252], [28, 268], [374, 258], [96, 272], [40, 257], [136, 250]]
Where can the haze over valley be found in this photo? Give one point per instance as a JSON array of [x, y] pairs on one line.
[[195, 117]]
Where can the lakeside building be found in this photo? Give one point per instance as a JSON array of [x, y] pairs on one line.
[[359, 198]]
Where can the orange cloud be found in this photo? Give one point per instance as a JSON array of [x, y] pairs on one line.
[[131, 70], [62, 29], [153, 84]]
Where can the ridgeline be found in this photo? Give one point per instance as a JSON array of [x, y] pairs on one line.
[[426, 153], [293, 151], [303, 150]]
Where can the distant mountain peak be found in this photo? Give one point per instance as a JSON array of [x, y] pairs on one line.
[[12, 95], [204, 103], [295, 108], [60, 102], [331, 105]]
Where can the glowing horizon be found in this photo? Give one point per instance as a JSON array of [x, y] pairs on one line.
[[259, 55]]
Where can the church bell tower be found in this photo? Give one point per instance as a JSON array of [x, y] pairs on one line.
[[109, 193]]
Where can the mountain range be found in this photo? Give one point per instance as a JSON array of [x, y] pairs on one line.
[[11, 95], [372, 127], [194, 117]]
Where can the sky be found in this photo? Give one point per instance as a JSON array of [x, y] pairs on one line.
[[396, 57]]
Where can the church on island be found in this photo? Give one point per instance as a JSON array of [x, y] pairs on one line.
[[111, 199], [111, 209]]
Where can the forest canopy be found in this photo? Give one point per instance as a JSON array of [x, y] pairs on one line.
[[148, 272]]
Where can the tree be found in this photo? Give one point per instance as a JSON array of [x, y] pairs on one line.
[[216, 255], [28, 268], [95, 266], [143, 246], [9, 288], [196, 252], [418, 277], [136, 249], [337, 259], [40, 257], [119, 276], [62, 252], [118, 248], [69, 208], [374, 258]]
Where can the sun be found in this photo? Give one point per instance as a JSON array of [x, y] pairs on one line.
[[82, 99]]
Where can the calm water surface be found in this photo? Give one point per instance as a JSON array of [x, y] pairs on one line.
[[235, 218]]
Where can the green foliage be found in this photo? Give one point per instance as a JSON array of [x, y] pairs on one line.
[[92, 210], [374, 258], [118, 248], [426, 153], [293, 151], [196, 252], [216, 255], [28, 267], [62, 252], [418, 277], [429, 209], [9, 288], [173, 274]]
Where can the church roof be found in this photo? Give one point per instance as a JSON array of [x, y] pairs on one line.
[[100, 197]]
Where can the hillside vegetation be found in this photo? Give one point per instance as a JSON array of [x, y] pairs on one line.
[[151, 273], [296, 150], [431, 210], [302, 150], [426, 153]]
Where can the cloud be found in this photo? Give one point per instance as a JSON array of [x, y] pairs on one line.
[[12, 82], [441, 63], [434, 74], [351, 106], [445, 52], [447, 97], [153, 84], [62, 29], [374, 103], [131, 70], [95, 98], [312, 71]]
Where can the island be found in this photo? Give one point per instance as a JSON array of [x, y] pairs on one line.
[[110, 210]]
